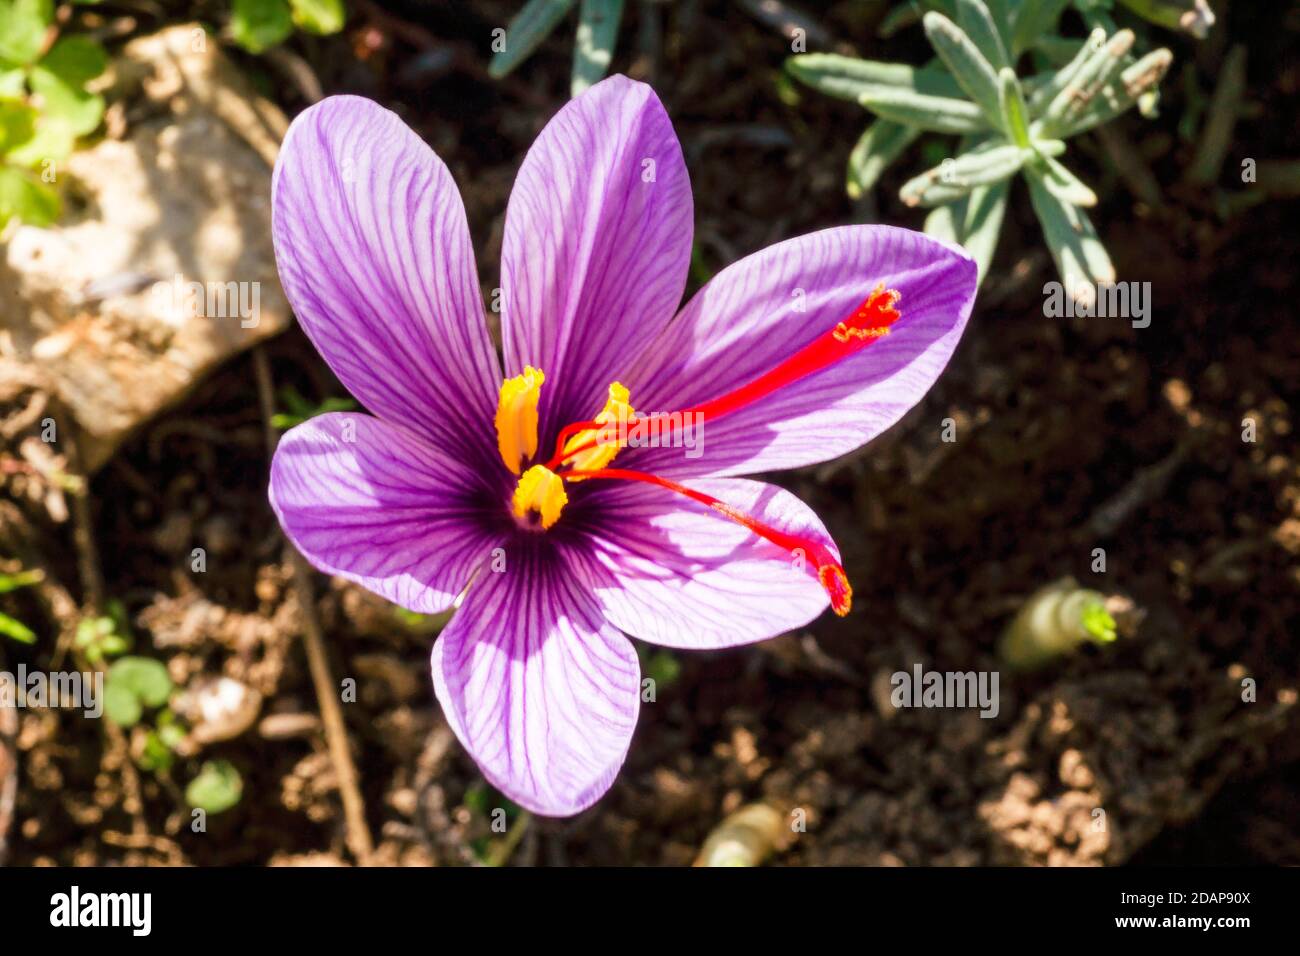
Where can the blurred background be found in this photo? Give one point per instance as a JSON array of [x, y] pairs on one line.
[[1146, 473]]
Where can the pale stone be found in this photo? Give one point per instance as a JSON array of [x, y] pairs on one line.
[[101, 305]]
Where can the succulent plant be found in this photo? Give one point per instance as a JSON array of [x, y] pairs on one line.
[[1007, 125]]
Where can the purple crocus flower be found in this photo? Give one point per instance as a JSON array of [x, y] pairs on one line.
[[498, 484]]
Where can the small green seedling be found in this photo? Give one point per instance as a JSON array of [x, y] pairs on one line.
[[133, 684], [1055, 622], [258, 25], [45, 106], [217, 788], [99, 638], [660, 665], [300, 409], [160, 743]]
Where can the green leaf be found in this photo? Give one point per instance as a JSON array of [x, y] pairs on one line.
[[1121, 95], [848, 78], [594, 47], [76, 60], [969, 67], [1093, 76], [1003, 13], [17, 124], [1079, 254], [881, 144], [12, 627], [299, 409], [121, 706], [60, 79], [943, 222], [899, 18], [526, 31], [143, 679], [954, 178], [13, 82], [1015, 114], [52, 143], [23, 197], [321, 17], [170, 731], [1034, 19], [1098, 623], [662, 667], [19, 579], [939, 114], [1064, 185], [977, 23], [1048, 92], [258, 25], [1049, 147], [23, 26], [156, 756], [1194, 16], [217, 788], [984, 211]]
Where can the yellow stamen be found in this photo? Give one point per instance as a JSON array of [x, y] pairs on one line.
[[540, 490], [516, 419], [617, 412]]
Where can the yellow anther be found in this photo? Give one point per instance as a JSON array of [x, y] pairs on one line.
[[540, 490], [516, 419], [618, 415]]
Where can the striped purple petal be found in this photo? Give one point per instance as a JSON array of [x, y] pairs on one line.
[[375, 257], [540, 690], [596, 247], [761, 310], [377, 504], [674, 572]]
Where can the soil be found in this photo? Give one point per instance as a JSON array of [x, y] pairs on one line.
[[1071, 435]]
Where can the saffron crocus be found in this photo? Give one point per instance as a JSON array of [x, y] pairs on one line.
[[514, 491]]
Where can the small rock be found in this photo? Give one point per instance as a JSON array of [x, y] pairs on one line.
[[104, 304], [286, 726], [219, 708]]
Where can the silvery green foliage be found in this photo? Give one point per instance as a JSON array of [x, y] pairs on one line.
[[593, 47], [1007, 125]]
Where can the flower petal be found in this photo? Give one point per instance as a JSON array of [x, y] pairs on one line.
[[671, 571], [537, 687], [375, 503], [758, 312], [375, 257], [596, 247]]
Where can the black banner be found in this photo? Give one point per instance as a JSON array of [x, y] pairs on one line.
[[332, 906]]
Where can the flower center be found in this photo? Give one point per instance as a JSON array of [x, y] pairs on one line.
[[584, 450]]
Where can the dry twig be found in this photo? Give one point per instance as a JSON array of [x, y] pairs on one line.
[[357, 833]]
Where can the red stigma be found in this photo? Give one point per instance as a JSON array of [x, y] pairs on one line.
[[807, 552], [865, 325]]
